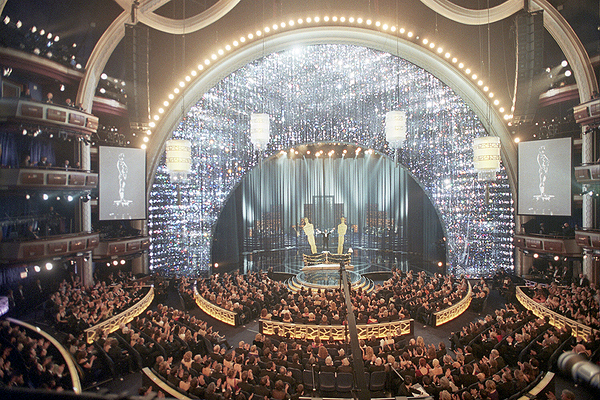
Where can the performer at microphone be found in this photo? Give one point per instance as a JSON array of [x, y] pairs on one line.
[[309, 229], [342, 228]]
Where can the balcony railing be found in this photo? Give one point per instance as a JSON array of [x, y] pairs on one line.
[[578, 330], [41, 178], [588, 239], [70, 119], [214, 311], [51, 246], [560, 245], [121, 247], [112, 324], [588, 173], [338, 332], [455, 310], [65, 354]]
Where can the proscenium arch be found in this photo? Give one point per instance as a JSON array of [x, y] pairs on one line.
[[440, 68], [274, 158]]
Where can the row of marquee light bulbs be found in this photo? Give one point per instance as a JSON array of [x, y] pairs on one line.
[[486, 149]]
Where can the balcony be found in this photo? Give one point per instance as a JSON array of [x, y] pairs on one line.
[[588, 173], [118, 247], [588, 239], [48, 247], [41, 178], [558, 245], [35, 114], [587, 113]]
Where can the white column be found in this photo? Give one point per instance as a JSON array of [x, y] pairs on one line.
[[87, 272], [587, 156]]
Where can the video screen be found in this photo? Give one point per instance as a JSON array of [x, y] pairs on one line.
[[545, 177], [122, 183]]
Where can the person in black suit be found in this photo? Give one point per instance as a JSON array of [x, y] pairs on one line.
[[406, 389]]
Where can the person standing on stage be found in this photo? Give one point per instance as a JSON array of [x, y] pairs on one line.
[[309, 229], [342, 228]]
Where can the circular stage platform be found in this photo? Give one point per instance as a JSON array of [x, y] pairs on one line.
[[327, 276]]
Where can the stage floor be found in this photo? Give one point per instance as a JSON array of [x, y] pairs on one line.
[[364, 260]]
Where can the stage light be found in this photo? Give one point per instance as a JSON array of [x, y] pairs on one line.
[[69, 198], [259, 130], [178, 159], [216, 265], [24, 132], [486, 157], [395, 128], [122, 262], [49, 266], [517, 140], [27, 196], [45, 196], [6, 20], [536, 255], [568, 73], [103, 76], [115, 263], [556, 258], [564, 63], [19, 24], [37, 268], [440, 264]]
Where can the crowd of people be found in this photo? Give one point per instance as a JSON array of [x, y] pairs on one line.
[[74, 307], [580, 303], [404, 295], [29, 360]]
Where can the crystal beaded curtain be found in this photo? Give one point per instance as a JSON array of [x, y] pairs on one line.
[[327, 93]]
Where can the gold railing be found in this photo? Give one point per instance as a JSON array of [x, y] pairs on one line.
[[537, 389], [338, 332], [578, 330], [112, 324], [214, 311], [326, 258], [63, 352], [161, 385], [455, 310]]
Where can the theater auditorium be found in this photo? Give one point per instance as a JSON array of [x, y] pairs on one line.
[[282, 200]]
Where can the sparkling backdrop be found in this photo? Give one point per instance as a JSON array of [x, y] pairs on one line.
[[328, 93]]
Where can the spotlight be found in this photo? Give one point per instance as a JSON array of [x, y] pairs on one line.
[[115, 263], [27, 196], [42, 32], [19, 24], [45, 196], [33, 29], [62, 88], [6, 20], [122, 262], [440, 264], [556, 258], [536, 255], [69, 198], [564, 63], [103, 76], [568, 73], [37, 268], [49, 266], [24, 132]]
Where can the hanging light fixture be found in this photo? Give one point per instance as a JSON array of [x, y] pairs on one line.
[[259, 130], [395, 128], [179, 159], [486, 157]]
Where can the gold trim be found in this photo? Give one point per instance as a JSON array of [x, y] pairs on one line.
[[537, 389], [338, 332], [578, 330], [454, 311], [214, 311], [65, 354], [112, 324], [166, 389]]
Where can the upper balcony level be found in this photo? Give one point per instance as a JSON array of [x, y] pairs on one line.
[[117, 247], [588, 173], [26, 112], [589, 239], [51, 246], [559, 245], [47, 178], [587, 113]]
